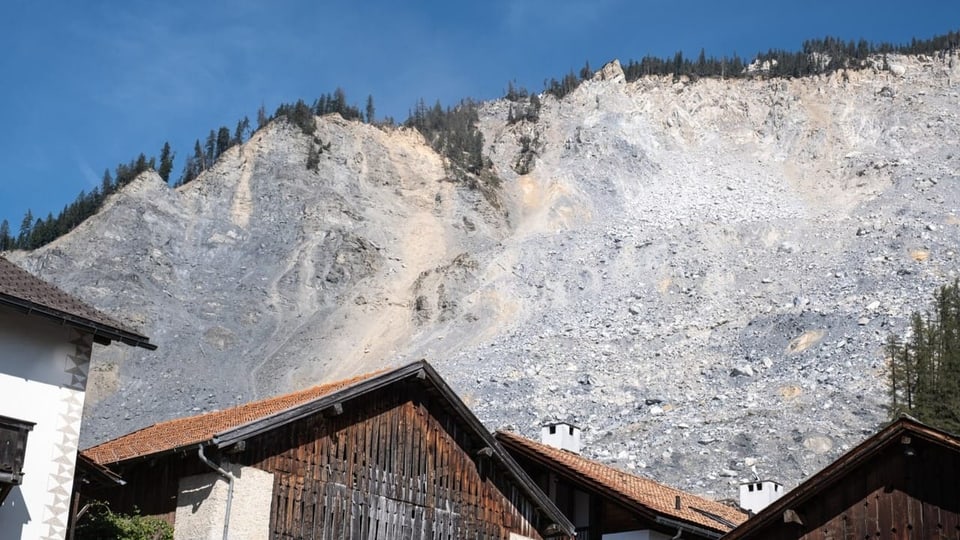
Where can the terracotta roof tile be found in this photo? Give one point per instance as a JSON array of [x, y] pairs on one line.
[[23, 288], [635, 489], [183, 432]]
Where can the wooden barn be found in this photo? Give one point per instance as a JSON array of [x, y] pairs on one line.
[[605, 503], [393, 455], [902, 483]]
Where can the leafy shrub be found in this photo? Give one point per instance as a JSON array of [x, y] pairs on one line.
[[99, 522]]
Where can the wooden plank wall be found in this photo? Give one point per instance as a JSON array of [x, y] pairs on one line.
[[893, 497], [391, 466], [392, 469]]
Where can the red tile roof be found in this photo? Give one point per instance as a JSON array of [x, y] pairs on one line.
[[628, 488], [24, 290], [184, 432]]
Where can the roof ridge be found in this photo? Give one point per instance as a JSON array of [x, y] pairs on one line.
[[321, 390], [600, 463], [644, 492]]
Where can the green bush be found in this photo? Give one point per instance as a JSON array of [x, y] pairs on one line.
[[99, 522]]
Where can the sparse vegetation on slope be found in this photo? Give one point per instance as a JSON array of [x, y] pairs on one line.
[[452, 132], [449, 130], [35, 231], [816, 56]]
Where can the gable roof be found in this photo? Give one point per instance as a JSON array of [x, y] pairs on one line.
[[224, 428], [836, 471], [643, 495], [25, 292], [180, 433]]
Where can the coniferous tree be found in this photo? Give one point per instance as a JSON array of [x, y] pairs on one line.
[[223, 141], [370, 109], [166, 162], [924, 378], [194, 165], [211, 150], [106, 185], [299, 114], [339, 101], [678, 65], [141, 165], [262, 119], [586, 72], [241, 132], [6, 241], [26, 226], [452, 132]]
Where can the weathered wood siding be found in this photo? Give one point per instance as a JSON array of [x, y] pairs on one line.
[[393, 467], [893, 497]]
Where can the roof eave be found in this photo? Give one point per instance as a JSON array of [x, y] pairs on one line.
[[599, 487], [98, 330], [576, 477]]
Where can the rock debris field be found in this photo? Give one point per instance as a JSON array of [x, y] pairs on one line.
[[700, 274]]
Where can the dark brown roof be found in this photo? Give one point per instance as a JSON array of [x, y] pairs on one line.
[[634, 491], [818, 483], [24, 291]]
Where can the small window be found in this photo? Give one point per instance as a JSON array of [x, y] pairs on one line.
[[759, 487], [750, 487], [13, 447], [553, 430], [571, 430]]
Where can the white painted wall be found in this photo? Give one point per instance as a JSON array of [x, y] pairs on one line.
[[202, 505], [755, 496], [561, 435], [43, 373]]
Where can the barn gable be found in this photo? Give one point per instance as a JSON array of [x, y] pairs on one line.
[[388, 455], [904, 482]]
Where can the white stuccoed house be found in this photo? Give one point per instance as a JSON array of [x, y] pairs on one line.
[[46, 339]]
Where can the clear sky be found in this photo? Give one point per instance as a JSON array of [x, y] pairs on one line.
[[87, 84]]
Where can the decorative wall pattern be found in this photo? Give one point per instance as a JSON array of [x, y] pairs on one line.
[[60, 482]]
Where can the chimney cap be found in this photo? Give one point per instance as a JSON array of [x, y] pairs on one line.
[[754, 482], [560, 423]]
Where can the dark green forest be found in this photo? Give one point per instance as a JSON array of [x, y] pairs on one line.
[[452, 131], [924, 376]]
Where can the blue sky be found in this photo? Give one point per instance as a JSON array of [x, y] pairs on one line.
[[86, 85]]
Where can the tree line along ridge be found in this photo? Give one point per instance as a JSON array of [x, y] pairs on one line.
[[452, 131]]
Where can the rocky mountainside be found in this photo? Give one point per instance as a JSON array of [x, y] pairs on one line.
[[702, 274]]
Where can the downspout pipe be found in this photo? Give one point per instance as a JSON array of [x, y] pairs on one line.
[[230, 480]]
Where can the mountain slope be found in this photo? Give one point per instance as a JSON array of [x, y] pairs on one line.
[[701, 274]]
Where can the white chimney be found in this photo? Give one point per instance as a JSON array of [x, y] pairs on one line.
[[561, 435], [755, 496]]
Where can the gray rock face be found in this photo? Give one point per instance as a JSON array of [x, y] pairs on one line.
[[700, 274]]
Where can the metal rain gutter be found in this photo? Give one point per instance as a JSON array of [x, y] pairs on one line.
[[230, 479]]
